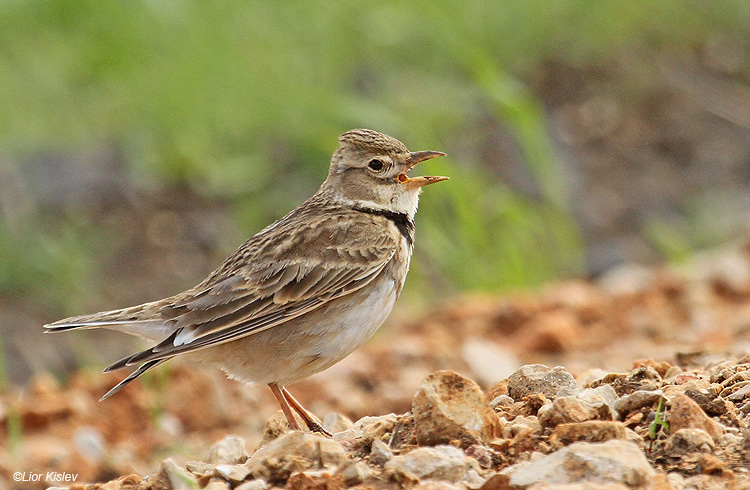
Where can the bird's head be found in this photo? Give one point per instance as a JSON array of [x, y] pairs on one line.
[[370, 169]]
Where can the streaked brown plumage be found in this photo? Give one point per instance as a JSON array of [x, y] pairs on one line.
[[301, 294]]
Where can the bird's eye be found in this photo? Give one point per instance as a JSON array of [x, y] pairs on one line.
[[375, 164]]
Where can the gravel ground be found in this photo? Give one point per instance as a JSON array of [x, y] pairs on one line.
[[639, 379]]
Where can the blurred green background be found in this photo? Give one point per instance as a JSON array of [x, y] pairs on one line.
[[142, 141]]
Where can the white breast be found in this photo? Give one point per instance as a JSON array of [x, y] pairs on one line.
[[353, 320]]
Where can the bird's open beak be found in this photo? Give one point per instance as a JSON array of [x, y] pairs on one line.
[[414, 158]]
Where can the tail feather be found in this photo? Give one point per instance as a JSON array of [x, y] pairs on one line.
[[143, 320], [138, 356], [141, 369], [63, 326]]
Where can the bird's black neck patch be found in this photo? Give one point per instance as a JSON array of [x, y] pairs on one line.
[[402, 221]]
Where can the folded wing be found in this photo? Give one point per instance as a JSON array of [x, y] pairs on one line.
[[280, 274]]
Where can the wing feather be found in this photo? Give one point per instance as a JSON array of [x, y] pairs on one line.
[[283, 272]]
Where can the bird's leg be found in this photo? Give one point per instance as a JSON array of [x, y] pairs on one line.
[[281, 398], [306, 416]]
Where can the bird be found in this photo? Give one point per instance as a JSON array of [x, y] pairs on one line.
[[301, 294]]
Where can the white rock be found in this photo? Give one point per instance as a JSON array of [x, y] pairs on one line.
[[448, 407], [612, 461], [690, 441], [564, 410], [256, 484], [438, 485], [230, 450], [90, 444], [582, 485], [728, 439], [521, 427], [216, 484], [596, 399], [445, 463], [380, 453], [294, 451], [740, 394], [489, 362], [632, 435], [354, 473], [637, 400], [502, 401], [233, 472], [178, 478], [676, 480], [538, 378], [368, 428]]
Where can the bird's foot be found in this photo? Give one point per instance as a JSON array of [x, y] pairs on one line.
[[316, 427]]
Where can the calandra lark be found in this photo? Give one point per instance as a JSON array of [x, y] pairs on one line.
[[305, 291]]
